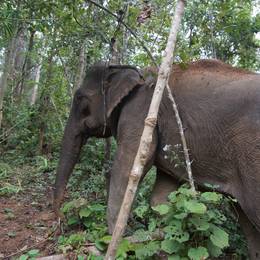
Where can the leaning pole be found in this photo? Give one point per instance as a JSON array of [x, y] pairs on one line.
[[146, 138]]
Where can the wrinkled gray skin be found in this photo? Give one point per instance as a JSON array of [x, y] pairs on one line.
[[220, 109]]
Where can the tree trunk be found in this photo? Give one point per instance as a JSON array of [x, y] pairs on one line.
[[19, 61], [44, 147], [9, 57], [146, 138], [125, 39], [27, 70], [81, 66], [36, 84]]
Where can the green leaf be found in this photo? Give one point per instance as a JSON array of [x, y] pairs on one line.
[[214, 251], [141, 211], [147, 250], [172, 197], [161, 209], [219, 237], [195, 207], [211, 196], [174, 257], [152, 224], [97, 207], [186, 191], [100, 245], [199, 253], [123, 248], [23, 257], [200, 223], [181, 215], [11, 234], [84, 212], [176, 233], [106, 239], [73, 220], [33, 252], [170, 246], [141, 235], [182, 237]]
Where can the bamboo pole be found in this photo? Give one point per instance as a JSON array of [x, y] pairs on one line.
[[146, 138]]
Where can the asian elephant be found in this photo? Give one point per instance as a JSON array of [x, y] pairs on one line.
[[220, 109]]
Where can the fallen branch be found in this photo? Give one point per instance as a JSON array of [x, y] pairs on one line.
[[146, 138]]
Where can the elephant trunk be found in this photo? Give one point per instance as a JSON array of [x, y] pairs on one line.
[[70, 151]]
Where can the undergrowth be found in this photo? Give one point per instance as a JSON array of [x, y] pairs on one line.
[[188, 226]]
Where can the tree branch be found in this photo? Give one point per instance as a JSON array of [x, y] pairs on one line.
[[128, 28], [146, 138]]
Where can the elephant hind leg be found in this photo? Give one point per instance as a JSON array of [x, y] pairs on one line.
[[251, 233], [164, 185]]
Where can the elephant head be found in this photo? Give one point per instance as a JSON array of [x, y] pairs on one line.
[[103, 89]]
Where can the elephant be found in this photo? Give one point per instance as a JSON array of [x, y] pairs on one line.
[[220, 110]]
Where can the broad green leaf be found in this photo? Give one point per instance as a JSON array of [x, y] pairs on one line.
[[84, 212], [97, 207], [199, 253], [219, 237], [211, 196], [214, 251], [176, 233], [186, 191], [106, 239], [122, 248], [195, 207], [200, 223], [181, 215], [172, 197], [141, 211], [147, 250], [170, 246], [161, 209], [142, 235], [182, 237], [23, 257], [152, 224], [73, 220], [174, 257], [100, 245], [33, 252]]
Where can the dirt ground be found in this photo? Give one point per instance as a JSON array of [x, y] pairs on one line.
[[26, 222]]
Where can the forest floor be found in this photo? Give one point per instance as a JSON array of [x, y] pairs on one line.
[[26, 219]]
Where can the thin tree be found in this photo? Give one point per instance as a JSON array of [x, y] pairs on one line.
[[146, 138], [9, 57], [81, 66]]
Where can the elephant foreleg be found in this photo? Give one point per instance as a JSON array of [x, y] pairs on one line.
[[121, 168], [164, 185], [251, 233]]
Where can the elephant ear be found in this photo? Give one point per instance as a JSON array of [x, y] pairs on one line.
[[121, 81]]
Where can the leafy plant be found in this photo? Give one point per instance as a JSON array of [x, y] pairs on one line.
[[191, 224], [191, 227], [90, 216], [30, 255]]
